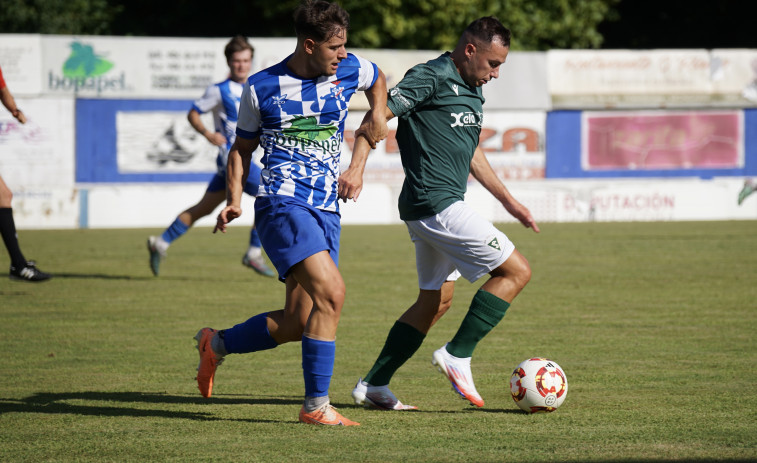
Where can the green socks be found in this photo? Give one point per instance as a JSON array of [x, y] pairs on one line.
[[486, 310], [401, 343]]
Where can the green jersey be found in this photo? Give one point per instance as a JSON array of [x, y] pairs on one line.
[[439, 122]]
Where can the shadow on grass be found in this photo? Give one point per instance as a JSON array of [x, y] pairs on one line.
[[100, 276], [56, 403], [105, 276], [509, 411]]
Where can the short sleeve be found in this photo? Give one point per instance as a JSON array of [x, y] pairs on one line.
[[248, 124], [209, 100], [368, 73], [418, 84]]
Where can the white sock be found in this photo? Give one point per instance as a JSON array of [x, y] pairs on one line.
[[161, 245], [254, 252]]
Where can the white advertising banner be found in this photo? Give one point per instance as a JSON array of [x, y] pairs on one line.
[[142, 67], [734, 76], [162, 141], [522, 81], [621, 200], [155, 205], [40, 152], [626, 78], [20, 60]]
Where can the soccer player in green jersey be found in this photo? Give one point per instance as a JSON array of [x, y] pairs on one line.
[[439, 106]]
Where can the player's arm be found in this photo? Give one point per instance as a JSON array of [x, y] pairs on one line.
[[350, 182], [376, 128], [483, 172], [10, 104], [237, 170], [195, 121]]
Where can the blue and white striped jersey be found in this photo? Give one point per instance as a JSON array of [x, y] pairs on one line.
[[300, 123], [223, 100]]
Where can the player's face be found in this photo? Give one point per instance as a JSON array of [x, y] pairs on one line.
[[327, 55], [484, 63], [240, 64]]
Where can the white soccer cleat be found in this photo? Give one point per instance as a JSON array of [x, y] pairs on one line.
[[377, 397], [457, 370]]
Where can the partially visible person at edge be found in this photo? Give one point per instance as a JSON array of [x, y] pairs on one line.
[[750, 186], [439, 106], [222, 99], [296, 111], [20, 269]]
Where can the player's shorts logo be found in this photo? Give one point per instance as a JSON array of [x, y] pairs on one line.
[[493, 243]]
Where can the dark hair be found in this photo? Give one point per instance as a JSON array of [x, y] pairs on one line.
[[237, 43], [487, 30], [320, 20]]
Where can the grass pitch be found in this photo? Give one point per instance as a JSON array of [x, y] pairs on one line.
[[653, 323]]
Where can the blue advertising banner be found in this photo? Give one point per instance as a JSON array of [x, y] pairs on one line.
[[140, 141], [692, 143]]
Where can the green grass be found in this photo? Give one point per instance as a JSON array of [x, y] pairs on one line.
[[653, 323]]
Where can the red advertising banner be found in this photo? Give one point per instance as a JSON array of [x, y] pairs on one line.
[[662, 140]]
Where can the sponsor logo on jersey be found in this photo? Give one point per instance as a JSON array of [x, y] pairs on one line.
[[466, 119], [396, 94], [279, 100], [454, 89], [306, 133]]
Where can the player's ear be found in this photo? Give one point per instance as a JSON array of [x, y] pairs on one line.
[[309, 45], [470, 49]]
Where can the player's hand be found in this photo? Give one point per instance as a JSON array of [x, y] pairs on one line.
[[226, 215], [20, 116], [217, 139], [373, 128], [350, 184], [521, 212]]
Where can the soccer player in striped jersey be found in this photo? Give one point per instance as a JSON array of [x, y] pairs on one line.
[[295, 111], [222, 100]]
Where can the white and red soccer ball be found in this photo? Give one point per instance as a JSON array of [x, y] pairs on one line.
[[538, 385]]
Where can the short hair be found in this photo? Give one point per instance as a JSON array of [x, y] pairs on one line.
[[320, 20], [237, 43], [487, 30]]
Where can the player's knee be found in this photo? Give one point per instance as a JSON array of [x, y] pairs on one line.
[[332, 298], [517, 270], [522, 275]]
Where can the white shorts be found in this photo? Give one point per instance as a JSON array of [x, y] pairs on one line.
[[457, 241]]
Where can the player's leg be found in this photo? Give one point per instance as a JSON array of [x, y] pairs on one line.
[[264, 331], [214, 195], [486, 310], [486, 248], [320, 277], [436, 280], [490, 304], [269, 329], [253, 258], [20, 268], [8, 226]]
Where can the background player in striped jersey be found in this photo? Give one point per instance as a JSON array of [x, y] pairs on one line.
[[222, 99], [296, 111]]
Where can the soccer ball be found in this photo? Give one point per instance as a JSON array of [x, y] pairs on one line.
[[538, 385]]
